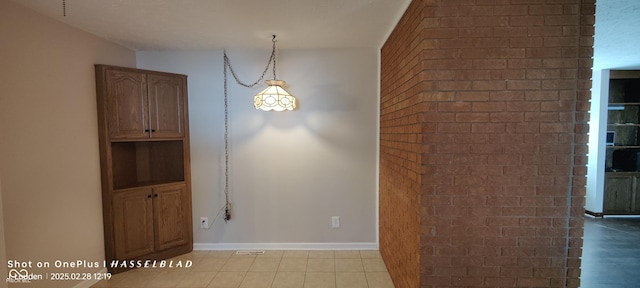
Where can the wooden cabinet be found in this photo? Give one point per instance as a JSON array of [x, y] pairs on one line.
[[149, 219], [169, 210], [144, 158], [144, 105], [622, 193], [133, 223]]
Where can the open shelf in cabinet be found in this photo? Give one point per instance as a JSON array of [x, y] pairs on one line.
[[144, 163], [623, 115]]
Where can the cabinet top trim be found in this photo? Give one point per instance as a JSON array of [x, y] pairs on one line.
[[624, 74], [131, 69]]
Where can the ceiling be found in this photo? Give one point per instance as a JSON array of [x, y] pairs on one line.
[[617, 34], [299, 24], [215, 24]]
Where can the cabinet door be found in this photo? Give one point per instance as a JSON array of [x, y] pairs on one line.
[[166, 104], [617, 194], [133, 223], [127, 105], [172, 216], [635, 193]]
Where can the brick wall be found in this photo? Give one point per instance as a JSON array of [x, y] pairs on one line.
[[484, 110], [401, 122]]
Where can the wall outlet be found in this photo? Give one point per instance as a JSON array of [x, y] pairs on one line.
[[335, 221], [204, 222]]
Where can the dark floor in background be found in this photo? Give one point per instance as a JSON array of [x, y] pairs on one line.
[[611, 253]]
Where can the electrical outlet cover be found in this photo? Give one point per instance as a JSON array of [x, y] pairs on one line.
[[335, 222], [204, 222]]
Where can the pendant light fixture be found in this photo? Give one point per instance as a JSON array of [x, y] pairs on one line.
[[274, 97]]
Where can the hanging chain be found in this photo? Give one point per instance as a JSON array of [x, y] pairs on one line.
[[273, 56], [227, 63], [64, 8], [227, 209]]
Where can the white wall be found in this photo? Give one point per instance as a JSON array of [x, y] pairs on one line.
[[289, 171], [594, 201], [49, 162]]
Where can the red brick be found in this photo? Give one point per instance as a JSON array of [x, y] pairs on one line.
[[535, 261], [475, 32], [485, 211], [546, 10], [503, 261], [516, 271], [467, 281], [517, 251], [483, 251], [502, 221], [550, 251], [489, 42], [502, 201], [524, 63], [526, 21], [559, 63], [439, 148], [472, 117], [454, 127], [488, 85], [454, 106], [518, 231], [443, 281], [533, 282], [547, 31], [488, 106], [488, 128], [510, 31], [541, 222], [450, 271], [518, 211], [516, 96], [500, 281], [507, 117], [564, 20], [454, 85], [439, 33]]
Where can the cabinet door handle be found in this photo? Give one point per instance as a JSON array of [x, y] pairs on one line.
[[149, 196], [155, 195], [147, 130]]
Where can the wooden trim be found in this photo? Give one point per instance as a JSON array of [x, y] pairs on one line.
[[594, 214], [624, 74]]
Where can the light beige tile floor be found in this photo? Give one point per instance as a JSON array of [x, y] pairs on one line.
[[274, 269]]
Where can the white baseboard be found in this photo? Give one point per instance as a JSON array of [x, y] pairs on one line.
[[287, 246], [89, 283]]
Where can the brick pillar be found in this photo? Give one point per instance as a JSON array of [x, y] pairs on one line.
[[401, 122], [484, 110]]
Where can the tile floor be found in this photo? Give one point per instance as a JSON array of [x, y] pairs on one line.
[[611, 253], [274, 269], [610, 259]]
